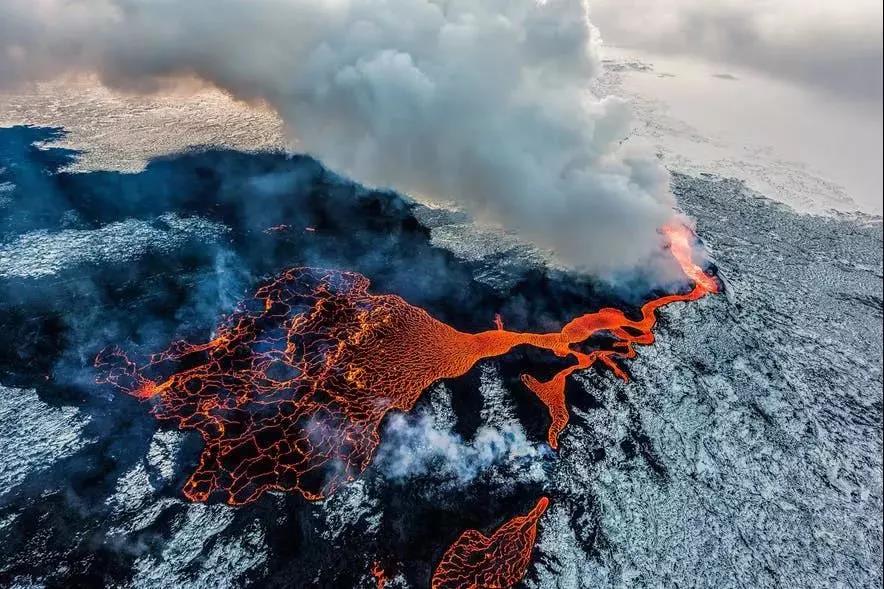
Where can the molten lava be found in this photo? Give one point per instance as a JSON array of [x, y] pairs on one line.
[[291, 392], [613, 321], [476, 560], [380, 577]]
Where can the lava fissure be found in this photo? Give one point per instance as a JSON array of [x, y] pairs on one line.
[[290, 393]]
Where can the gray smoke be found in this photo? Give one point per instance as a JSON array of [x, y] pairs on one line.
[[480, 102]]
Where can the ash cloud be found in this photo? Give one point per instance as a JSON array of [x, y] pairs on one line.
[[482, 103], [836, 46]]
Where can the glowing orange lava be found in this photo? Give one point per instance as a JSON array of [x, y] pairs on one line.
[[613, 321], [290, 393], [501, 560], [379, 575]]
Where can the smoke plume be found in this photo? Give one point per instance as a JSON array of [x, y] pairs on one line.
[[481, 102]]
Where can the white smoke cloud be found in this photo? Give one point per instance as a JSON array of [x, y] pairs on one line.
[[483, 102], [425, 444], [419, 446], [835, 45]]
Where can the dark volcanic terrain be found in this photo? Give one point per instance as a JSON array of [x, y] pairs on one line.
[[746, 450]]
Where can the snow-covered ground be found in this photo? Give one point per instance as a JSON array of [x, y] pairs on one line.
[[810, 150], [763, 408], [758, 413], [122, 131]]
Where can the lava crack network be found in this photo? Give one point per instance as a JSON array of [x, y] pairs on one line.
[[291, 392], [501, 560]]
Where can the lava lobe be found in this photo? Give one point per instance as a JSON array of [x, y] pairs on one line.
[[501, 560]]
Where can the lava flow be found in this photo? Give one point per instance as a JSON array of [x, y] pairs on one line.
[[380, 577], [627, 332], [501, 560], [290, 393]]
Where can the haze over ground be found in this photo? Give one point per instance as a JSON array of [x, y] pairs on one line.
[[802, 119]]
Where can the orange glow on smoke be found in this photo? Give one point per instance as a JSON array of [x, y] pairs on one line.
[[501, 560], [291, 392]]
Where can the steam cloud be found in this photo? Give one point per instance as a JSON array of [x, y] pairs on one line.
[[420, 447], [483, 102]]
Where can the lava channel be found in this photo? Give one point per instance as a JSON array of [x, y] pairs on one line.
[[499, 561], [290, 393]]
